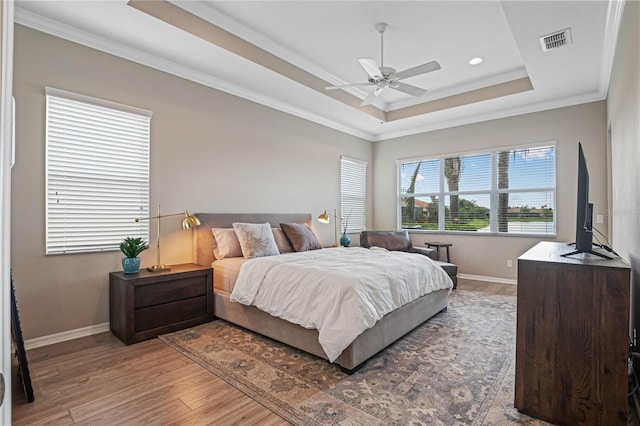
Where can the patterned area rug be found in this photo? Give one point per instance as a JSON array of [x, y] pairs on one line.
[[455, 369]]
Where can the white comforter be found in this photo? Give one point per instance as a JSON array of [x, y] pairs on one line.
[[339, 291]]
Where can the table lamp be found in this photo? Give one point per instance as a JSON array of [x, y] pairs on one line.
[[325, 218], [188, 222]]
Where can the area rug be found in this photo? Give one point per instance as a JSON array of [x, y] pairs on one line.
[[455, 369]]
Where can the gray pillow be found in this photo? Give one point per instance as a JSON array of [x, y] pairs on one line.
[[281, 241], [301, 236], [256, 239]]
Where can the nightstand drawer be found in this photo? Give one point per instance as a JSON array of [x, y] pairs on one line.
[[170, 313], [169, 291]]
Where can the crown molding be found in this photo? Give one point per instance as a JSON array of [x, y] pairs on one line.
[[57, 29], [494, 115], [469, 86], [612, 29], [213, 15]]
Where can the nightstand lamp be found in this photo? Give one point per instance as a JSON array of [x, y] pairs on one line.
[[188, 222], [325, 218]]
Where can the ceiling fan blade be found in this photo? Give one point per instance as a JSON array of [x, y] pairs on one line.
[[346, 86], [371, 67], [408, 89], [371, 97], [420, 69]]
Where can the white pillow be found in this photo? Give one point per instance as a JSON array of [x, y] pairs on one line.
[[225, 243], [281, 241], [256, 240]]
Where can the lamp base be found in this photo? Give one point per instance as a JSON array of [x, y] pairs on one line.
[[158, 268]]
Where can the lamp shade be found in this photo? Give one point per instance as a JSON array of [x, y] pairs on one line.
[[324, 217], [190, 221]]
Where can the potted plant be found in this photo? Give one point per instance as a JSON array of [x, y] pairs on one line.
[[131, 248]]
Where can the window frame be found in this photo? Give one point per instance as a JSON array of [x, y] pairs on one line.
[[56, 240], [493, 192]]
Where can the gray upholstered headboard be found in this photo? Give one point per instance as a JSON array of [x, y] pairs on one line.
[[203, 242]]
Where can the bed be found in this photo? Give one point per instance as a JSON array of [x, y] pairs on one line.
[[386, 330]]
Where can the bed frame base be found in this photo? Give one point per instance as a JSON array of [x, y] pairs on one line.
[[359, 366], [387, 330]]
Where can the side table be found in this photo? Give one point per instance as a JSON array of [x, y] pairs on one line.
[[437, 245], [147, 304]]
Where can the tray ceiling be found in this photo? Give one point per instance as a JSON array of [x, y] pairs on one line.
[[283, 53]]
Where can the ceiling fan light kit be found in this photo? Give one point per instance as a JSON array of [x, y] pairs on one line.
[[382, 77]]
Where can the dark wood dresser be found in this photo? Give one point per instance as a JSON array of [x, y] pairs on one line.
[[146, 304], [572, 344]]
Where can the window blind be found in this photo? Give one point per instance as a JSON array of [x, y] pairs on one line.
[[97, 173], [353, 194]]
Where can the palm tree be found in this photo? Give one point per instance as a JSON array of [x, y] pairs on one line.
[[503, 198], [452, 171], [410, 213]]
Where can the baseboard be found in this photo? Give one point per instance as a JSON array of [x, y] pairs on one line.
[[488, 279], [39, 342]]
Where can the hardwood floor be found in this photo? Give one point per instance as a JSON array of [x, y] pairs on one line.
[[98, 380]]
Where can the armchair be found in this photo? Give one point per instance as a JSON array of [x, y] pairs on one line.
[[400, 241]]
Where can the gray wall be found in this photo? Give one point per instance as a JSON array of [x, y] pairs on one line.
[[487, 255], [623, 108], [210, 152]]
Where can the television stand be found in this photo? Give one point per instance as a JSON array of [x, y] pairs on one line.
[[586, 251]]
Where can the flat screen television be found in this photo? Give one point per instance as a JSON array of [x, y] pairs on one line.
[[584, 211]]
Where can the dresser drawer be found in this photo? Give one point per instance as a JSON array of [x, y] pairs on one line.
[[170, 313], [169, 291]]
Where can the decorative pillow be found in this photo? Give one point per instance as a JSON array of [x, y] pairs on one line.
[[301, 236], [281, 241], [225, 243], [256, 239]]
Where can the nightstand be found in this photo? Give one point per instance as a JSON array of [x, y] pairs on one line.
[[147, 304]]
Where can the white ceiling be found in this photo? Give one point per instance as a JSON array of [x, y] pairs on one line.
[[326, 39]]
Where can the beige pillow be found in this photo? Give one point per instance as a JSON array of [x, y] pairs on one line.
[[281, 241], [225, 243], [301, 236], [256, 239]]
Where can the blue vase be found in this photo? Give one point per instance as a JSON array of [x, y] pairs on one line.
[[131, 265], [345, 241]]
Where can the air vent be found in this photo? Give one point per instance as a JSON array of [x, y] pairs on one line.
[[556, 40]]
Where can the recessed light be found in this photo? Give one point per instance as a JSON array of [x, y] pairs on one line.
[[475, 61]]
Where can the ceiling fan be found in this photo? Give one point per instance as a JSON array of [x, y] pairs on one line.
[[382, 77]]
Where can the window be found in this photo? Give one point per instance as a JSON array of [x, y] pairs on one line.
[[508, 191], [97, 173], [353, 194]]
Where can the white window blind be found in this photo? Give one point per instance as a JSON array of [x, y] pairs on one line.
[[510, 191], [353, 194], [97, 173]]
